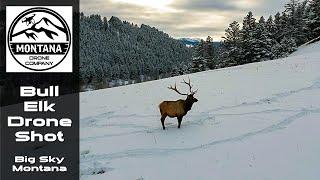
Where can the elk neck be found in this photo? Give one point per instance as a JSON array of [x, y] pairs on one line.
[[187, 105]]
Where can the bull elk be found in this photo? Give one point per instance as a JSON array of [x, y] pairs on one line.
[[177, 108]]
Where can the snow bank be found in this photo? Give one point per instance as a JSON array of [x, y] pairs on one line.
[[256, 121]]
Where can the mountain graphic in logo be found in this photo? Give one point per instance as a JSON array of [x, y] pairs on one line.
[[44, 25]]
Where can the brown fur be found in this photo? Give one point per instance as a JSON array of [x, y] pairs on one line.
[[172, 108]]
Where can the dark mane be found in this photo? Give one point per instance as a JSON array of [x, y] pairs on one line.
[[188, 105]]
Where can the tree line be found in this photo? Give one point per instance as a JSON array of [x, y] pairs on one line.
[[262, 39], [113, 52]]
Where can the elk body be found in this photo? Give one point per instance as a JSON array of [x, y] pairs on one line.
[[177, 108]]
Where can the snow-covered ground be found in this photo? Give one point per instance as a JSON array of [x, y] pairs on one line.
[[252, 122]]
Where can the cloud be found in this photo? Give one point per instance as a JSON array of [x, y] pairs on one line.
[[184, 18], [203, 5]]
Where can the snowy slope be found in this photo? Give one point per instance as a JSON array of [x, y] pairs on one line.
[[256, 121]]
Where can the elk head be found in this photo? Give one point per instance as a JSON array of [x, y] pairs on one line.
[[190, 98]]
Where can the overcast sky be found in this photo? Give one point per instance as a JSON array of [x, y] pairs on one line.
[[183, 18]]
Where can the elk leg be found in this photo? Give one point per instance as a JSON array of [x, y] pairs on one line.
[[162, 121], [179, 121]]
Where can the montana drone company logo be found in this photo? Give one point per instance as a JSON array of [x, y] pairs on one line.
[[39, 39]]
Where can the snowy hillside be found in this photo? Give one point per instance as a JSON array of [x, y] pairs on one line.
[[256, 121]]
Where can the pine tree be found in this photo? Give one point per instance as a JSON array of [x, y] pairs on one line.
[[313, 21], [210, 53], [105, 23], [295, 21], [284, 28], [232, 53], [208, 49], [204, 56], [278, 34], [248, 39], [263, 43], [271, 27], [272, 31], [301, 30], [199, 49], [290, 9]]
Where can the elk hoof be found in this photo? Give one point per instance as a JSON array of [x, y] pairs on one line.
[[164, 128]]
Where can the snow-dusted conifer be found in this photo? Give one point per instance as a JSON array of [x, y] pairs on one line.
[[313, 20], [232, 52]]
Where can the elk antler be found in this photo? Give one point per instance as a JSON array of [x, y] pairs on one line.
[[176, 90], [190, 87]]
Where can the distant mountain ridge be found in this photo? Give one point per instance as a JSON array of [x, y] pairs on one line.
[[191, 42]]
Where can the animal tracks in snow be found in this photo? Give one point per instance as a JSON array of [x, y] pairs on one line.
[[155, 152]]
